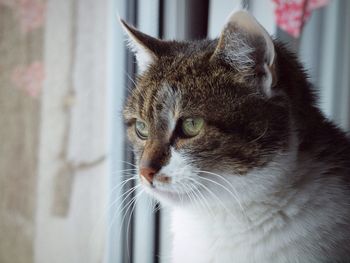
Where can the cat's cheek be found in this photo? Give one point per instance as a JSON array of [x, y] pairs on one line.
[[136, 143], [138, 149], [135, 146]]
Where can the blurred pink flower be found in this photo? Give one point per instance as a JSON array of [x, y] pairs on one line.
[[291, 15], [29, 78], [30, 13]]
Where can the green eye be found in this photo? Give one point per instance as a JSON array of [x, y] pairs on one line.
[[141, 129], [192, 126]]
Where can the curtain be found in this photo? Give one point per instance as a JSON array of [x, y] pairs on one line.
[[21, 81], [53, 130]]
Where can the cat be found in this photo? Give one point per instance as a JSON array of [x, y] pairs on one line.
[[227, 133]]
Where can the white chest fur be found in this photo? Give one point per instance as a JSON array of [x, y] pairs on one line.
[[294, 211], [309, 227], [221, 239]]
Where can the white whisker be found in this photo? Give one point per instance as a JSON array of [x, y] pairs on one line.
[[226, 189], [217, 198], [226, 181], [119, 210], [130, 216], [133, 165]]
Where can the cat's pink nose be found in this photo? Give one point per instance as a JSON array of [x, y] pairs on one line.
[[148, 173]]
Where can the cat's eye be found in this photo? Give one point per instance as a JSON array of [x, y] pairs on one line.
[[192, 126], [141, 129]]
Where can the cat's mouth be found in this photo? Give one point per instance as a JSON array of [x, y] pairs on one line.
[[163, 192], [162, 184], [164, 179], [163, 188], [161, 179]]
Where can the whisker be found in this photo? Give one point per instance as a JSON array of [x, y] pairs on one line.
[[262, 135], [188, 194], [124, 182], [157, 207], [226, 189], [108, 205], [124, 170], [118, 212], [150, 205], [194, 194], [126, 209], [180, 196], [131, 204], [130, 216], [217, 198], [123, 161], [205, 201], [226, 181], [130, 78]]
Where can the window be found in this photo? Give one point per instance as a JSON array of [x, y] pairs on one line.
[[65, 71]]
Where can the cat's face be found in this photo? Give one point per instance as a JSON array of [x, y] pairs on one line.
[[200, 115]]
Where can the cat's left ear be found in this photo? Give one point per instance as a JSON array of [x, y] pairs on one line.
[[145, 47], [246, 46]]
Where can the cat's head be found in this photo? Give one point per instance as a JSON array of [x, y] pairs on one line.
[[206, 113]]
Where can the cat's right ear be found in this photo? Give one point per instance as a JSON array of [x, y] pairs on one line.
[[246, 46], [145, 47]]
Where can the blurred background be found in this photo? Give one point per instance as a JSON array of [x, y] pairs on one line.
[[65, 166]]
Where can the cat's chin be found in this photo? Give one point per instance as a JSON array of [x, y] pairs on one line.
[[167, 197]]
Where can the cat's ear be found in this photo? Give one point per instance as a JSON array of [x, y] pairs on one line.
[[247, 47], [144, 46]]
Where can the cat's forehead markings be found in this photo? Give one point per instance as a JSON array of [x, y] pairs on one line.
[[169, 100], [161, 107]]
